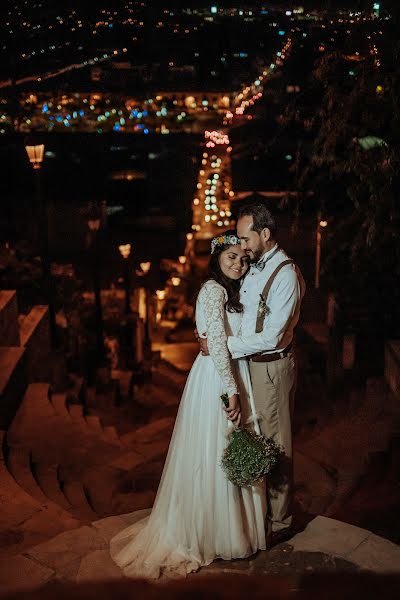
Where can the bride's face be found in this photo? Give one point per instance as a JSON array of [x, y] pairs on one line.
[[234, 262]]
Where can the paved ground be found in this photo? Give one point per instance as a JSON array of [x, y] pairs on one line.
[[82, 555], [181, 355], [329, 459]]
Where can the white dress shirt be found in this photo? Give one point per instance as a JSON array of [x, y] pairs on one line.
[[283, 307]]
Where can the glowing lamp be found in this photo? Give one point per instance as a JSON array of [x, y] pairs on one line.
[[175, 281], [182, 260], [35, 155], [145, 266], [125, 250], [323, 223], [94, 224]]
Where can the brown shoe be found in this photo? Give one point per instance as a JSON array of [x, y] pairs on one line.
[[279, 537]]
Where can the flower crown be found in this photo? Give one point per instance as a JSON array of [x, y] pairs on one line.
[[224, 240]]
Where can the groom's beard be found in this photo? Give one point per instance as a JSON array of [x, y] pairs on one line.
[[256, 254]]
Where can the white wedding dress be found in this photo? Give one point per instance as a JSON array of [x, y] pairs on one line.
[[199, 515]]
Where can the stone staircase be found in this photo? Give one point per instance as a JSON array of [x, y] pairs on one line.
[[359, 451], [71, 468], [19, 464], [77, 496], [27, 515], [47, 475], [70, 457]]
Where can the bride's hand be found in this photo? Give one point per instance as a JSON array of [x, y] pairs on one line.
[[233, 411]]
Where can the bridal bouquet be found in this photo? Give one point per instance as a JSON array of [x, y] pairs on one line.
[[248, 456]]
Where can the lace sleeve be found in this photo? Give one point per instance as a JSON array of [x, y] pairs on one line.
[[213, 300]]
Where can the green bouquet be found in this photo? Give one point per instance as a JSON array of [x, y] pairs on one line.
[[248, 456]]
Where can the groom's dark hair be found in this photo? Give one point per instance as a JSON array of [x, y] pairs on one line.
[[262, 216]]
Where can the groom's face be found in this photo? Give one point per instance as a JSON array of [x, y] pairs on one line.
[[250, 240]]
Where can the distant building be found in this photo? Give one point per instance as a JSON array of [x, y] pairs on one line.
[[189, 100]]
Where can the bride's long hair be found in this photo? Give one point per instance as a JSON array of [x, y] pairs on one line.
[[232, 286]]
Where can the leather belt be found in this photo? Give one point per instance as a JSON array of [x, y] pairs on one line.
[[270, 357]]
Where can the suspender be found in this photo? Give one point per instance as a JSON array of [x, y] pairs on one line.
[[262, 307]]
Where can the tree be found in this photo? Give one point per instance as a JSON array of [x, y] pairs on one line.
[[353, 167]]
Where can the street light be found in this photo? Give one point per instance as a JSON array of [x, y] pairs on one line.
[[176, 281], [94, 226], [321, 224], [125, 250], [182, 260], [35, 154], [160, 295], [145, 266]]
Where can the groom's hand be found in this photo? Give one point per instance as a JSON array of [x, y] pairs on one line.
[[202, 342]]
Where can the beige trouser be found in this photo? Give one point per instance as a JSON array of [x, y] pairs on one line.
[[273, 386]]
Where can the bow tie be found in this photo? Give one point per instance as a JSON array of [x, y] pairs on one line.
[[263, 261], [259, 265]]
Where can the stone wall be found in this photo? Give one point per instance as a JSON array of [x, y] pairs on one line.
[[35, 337], [25, 353], [13, 382], [392, 365], [9, 332]]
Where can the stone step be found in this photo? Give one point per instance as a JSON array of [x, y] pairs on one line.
[[94, 423], [35, 404], [76, 393], [19, 465], [110, 435], [37, 398], [47, 478], [150, 431], [25, 521], [59, 401], [125, 379], [101, 483], [9, 488], [90, 397], [75, 493], [76, 412], [106, 397]]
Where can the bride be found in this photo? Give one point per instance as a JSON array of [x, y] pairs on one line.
[[199, 515]]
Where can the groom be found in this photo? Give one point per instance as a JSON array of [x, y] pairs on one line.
[[271, 295]]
